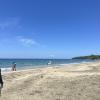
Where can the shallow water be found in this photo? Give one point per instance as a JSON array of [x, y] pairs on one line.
[[6, 64]]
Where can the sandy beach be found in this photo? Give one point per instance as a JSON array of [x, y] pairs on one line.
[[67, 82]]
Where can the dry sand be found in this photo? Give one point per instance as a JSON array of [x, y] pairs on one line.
[[68, 82]]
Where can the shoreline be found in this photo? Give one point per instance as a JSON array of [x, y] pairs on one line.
[[52, 66], [46, 66], [68, 82]]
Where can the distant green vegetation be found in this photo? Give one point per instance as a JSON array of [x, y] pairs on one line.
[[92, 57]]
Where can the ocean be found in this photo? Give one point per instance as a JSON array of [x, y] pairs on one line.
[[22, 64]]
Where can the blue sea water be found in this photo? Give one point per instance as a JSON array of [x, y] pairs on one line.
[[6, 64]]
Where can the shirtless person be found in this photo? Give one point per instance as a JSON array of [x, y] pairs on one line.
[[13, 66]]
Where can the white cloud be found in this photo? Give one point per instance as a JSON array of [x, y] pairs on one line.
[[27, 41]]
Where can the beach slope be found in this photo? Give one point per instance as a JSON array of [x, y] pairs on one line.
[[68, 82]]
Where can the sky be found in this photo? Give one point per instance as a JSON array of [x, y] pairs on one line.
[[49, 28]]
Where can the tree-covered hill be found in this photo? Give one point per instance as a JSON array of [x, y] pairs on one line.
[[93, 57]]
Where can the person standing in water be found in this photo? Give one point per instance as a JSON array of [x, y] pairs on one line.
[[1, 82], [13, 66]]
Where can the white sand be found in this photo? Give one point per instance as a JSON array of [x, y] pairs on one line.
[[68, 82]]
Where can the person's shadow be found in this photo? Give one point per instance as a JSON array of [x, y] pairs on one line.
[[0, 91], [1, 86]]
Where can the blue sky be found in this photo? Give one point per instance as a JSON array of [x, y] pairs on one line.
[[49, 28]]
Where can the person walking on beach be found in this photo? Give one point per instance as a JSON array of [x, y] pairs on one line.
[[1, 82], [13, 66]]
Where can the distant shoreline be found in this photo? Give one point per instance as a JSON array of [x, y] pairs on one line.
[[92, 57]]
